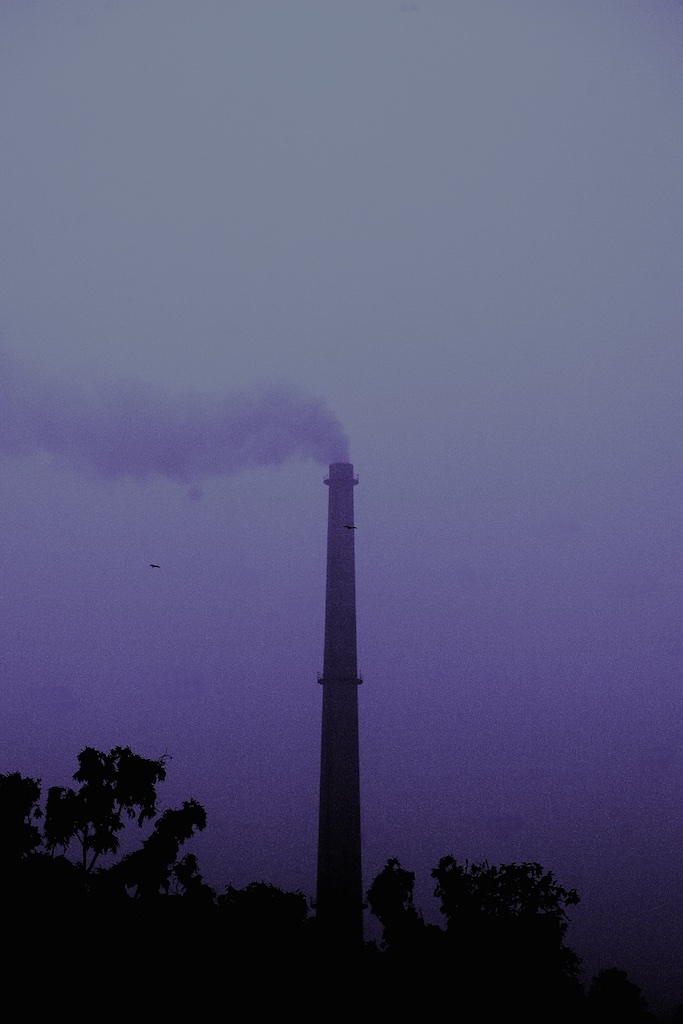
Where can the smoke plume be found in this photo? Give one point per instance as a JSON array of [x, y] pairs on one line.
[[130, 428]]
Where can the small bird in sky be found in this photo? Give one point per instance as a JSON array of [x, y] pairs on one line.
[[153, 566], [349, 527]]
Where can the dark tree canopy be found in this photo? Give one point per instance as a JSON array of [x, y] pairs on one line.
[[508, 923], [503, 943], [114, 787], [56, 858], [20, 810], [154, 869], [612, 997], [390, 898], [523, 893], [67, 891]]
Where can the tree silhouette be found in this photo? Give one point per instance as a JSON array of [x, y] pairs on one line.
[[612, 997], [75, 908], [411, 951], [506, 927], [503, 945], [262, 916], [154, 870], [114, 787], [74, 911], [19, 806], [391, 901]]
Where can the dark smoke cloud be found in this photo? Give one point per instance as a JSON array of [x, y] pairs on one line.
[[129, 428]]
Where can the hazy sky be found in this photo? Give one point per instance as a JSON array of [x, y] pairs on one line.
[[241, 239]]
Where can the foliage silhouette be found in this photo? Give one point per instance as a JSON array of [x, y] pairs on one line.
[[612, 997], [67, 890], [502, 952], [507, 924], [261, 923], [19, 801], [391, 901], [155, 870], [55, 858], [390, 898], [113, 787], [503, 944]]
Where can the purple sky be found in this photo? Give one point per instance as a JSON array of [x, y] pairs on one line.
[[235, 234]]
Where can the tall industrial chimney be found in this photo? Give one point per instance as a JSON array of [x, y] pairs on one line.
[[339, 898]]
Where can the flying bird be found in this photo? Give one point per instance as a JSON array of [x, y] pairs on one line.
[[153, 566], [349, 527]]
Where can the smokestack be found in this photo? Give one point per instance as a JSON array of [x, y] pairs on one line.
[[339, 898]]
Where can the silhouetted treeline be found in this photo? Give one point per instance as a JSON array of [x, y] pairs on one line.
[[144, 928]]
